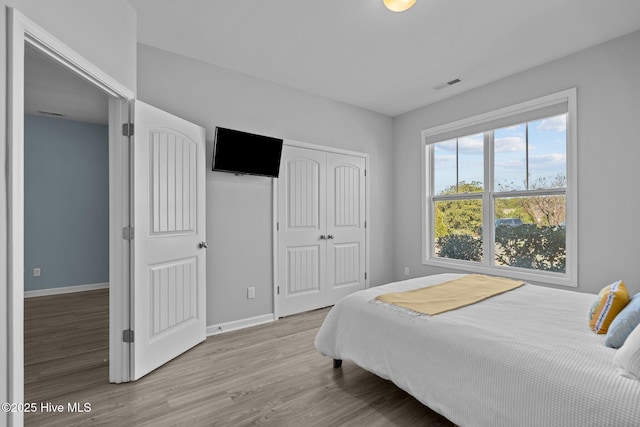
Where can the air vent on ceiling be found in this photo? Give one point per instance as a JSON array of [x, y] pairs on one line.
[[447, 84], [50, 113]]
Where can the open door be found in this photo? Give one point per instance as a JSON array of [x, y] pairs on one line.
[[168, 291]]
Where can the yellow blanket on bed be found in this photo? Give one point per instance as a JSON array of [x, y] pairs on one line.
[[451, 295]]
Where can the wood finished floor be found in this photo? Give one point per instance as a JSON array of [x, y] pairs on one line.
[[269, 375]]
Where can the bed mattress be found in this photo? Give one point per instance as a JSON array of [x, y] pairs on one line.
[[523, 358]]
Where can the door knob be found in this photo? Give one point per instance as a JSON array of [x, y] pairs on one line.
[[322, 237], [203, 245], [330, 236]]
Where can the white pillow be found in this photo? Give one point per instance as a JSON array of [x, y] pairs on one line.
[[627, 357]]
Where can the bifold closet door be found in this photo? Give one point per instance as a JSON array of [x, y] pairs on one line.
[[321, 230]]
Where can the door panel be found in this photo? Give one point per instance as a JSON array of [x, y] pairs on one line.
[[301, 252], [345, 225], [346, 192], [168, 298], [347, 268], [174, 175], [302, 177], [173, 290], [303, 273]]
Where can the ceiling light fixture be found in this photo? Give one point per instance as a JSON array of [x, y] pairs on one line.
[[399, 5]]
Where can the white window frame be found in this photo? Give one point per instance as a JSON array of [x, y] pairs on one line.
[[570, 276]]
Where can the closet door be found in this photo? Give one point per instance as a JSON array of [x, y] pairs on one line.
[[345, 272], [321, 228], [302, 222]]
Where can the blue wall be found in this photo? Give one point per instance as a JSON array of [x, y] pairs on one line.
[[66, 202]]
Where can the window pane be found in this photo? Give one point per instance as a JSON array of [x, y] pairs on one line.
[[470, 163], [458, 229], [444, 165], [459, 165], [530, 232], [548, 153], [510, 158]]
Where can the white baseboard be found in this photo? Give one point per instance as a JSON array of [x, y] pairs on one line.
[[65, 290], [221, 328]]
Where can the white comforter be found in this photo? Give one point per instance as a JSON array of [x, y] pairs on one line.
[[522, 358]]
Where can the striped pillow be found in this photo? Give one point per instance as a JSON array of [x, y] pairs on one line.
[[611, 300]]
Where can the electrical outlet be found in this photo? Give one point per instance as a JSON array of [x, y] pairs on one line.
[[37, 272], [407, 271], [251, 292]]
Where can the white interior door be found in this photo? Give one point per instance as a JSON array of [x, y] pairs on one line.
[[321, 236], [346, 214], [169, 284], [301, 212]]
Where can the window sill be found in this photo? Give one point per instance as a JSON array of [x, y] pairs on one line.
[[544, 278]]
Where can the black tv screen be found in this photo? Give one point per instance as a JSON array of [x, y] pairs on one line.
[[246, 153]]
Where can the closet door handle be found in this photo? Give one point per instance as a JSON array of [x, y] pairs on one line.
[[322, 237], [203, 245], [330, 236]]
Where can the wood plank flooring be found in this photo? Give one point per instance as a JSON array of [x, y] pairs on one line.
[[268, 375]]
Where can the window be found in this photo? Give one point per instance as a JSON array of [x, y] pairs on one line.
[[500, 192]]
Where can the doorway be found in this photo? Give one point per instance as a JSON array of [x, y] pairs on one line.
[[66, 224], [23, 31]]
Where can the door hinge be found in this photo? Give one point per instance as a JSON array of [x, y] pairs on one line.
[[127, 233], [278, 289], [365, 276], [127, 335], [277, 226], [365, 172], [127, 129], [365, 224]]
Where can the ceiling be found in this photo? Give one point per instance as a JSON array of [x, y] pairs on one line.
[[54, 91], [352, 51], [358, 52]]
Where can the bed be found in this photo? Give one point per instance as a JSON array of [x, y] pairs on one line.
[[522, 358]]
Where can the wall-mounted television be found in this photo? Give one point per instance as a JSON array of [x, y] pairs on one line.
[[246, 153]]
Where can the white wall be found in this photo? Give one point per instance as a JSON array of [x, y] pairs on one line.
[[607, 78], [239, 209], [104, 33]]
